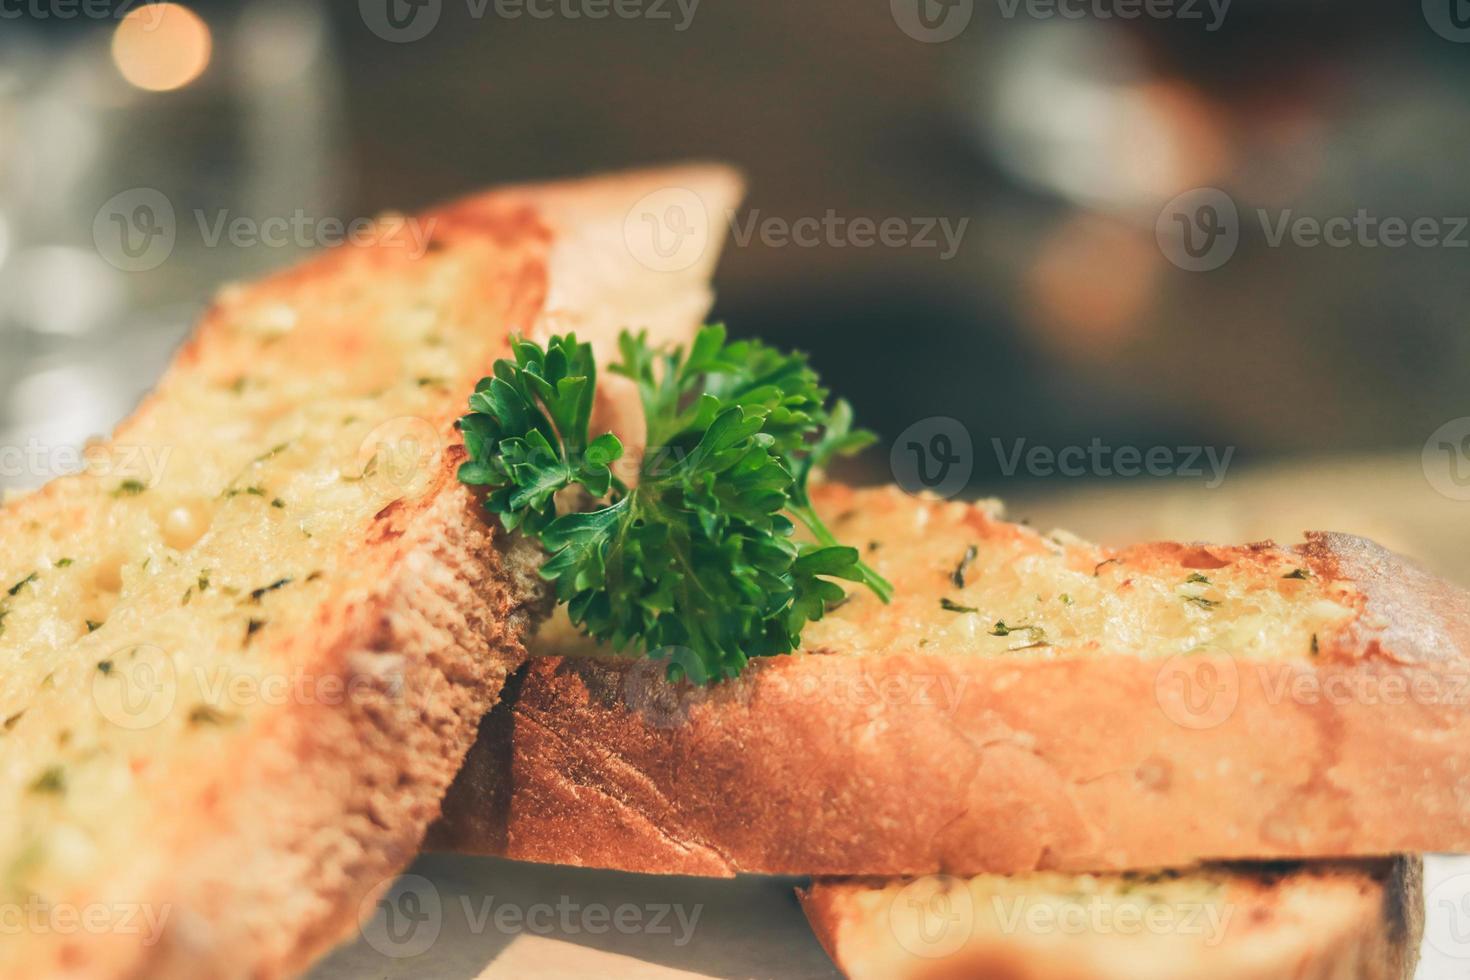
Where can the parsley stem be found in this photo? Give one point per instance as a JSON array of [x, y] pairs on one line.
[[867, 576]]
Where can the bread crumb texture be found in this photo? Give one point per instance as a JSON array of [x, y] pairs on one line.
[[163, 608], [1330, 919], [1000, 589]]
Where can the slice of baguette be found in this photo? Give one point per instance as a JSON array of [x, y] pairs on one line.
[[1329, 921], [234, 686], [1153, 707]]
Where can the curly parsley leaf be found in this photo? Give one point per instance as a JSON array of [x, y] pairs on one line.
[[697, 562]]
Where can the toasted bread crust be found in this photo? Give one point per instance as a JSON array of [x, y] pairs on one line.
[[266, 856], [1362, 921], [1001, 763]]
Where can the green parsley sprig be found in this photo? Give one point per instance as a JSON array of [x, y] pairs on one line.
[[697, 561]]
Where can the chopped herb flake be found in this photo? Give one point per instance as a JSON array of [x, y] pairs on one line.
[[1036, 633], [257, 594], [52, 781], [958, 575], [205, 714]]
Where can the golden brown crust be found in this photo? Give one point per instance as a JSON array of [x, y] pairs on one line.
[[1335, 921], [265, 857], [360, 781], [908, 763]]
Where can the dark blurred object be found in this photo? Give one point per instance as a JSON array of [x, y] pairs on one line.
[[1058, 318], [130, 142]]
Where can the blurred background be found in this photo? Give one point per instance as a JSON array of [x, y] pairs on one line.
[[1098, 227]]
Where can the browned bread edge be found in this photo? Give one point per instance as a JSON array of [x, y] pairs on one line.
[[1378, 940], [1010, 765]]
